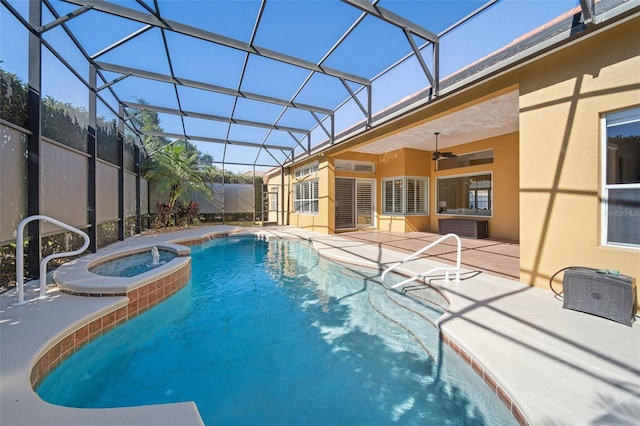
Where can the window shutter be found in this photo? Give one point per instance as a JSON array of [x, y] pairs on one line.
[[364, 203]]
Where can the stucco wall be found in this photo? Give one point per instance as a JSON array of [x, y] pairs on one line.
[[324, 220], [504, 222], [400, 163], [562, 97], [547, 176]]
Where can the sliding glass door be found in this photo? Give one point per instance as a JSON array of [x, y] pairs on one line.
[[354, 203]]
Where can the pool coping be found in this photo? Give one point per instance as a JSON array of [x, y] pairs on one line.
[[524, 367]]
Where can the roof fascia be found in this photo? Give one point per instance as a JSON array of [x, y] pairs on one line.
[[566, 38]]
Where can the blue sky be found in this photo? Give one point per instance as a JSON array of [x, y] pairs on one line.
[[304, 28]]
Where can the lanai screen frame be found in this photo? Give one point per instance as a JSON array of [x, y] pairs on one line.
[[151, 17]]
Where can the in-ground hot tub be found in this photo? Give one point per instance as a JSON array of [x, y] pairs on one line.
[[117, 272], [133, 264]]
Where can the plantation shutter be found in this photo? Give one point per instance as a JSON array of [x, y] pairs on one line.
[[416, 198], [364, 203], [420, 196], [397, 196], [411, 196], [388, 196], [344, 203], [314, 206]]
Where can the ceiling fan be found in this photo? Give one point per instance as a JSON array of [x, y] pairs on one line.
[[437, 154]]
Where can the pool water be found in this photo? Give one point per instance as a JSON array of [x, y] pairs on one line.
[[269, 333], [132, 265]]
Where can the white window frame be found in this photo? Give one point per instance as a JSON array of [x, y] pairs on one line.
[[606, 187], [273, 198], [354, 166], [491, 197], [305, 197], [306, 170], [400, 197]]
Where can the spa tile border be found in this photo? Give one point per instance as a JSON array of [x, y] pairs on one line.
[[490, 381], [107, 259], [120, 255], [141, 299]]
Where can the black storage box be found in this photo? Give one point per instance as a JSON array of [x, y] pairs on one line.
[[600, 293], [472, 228]]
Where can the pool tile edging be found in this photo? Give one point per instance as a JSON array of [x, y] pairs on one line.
[[139, 300], [488, 379]]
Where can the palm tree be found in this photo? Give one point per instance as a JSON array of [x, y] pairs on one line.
[[176, 171]]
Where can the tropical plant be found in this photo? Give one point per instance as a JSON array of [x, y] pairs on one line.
[[186, 213], [176, 172], [163, 216]]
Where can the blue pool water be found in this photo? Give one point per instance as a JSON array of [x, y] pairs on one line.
[[269, 333], [132, 265]]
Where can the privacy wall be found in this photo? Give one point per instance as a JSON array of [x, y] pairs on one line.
[[13, 181], [225, 198], [65, 189]]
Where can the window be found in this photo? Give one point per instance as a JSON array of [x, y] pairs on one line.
[[405, 195], [273, 196], [479, 192], [621, 200], [305, 199], [466, 160], [466, 195], [354, 166], [307, 170]]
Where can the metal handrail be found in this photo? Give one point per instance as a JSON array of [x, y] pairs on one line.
[[43, 263], [423, 274]]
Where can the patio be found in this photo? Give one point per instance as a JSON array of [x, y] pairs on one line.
[[498, 258]]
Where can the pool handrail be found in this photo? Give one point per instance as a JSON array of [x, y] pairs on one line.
[[43, 263], [423, 274]]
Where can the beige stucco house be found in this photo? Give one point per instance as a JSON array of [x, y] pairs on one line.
[[546, 145]]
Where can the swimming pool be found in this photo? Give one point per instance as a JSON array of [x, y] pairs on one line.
[[269, 333]]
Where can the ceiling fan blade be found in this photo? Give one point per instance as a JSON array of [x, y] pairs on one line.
[[440, 154]]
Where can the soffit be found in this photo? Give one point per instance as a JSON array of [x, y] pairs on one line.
[[491, 118]]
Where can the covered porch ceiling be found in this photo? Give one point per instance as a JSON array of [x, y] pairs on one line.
[[483, 120]]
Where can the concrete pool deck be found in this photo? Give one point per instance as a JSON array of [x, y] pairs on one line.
[[558, 366]]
